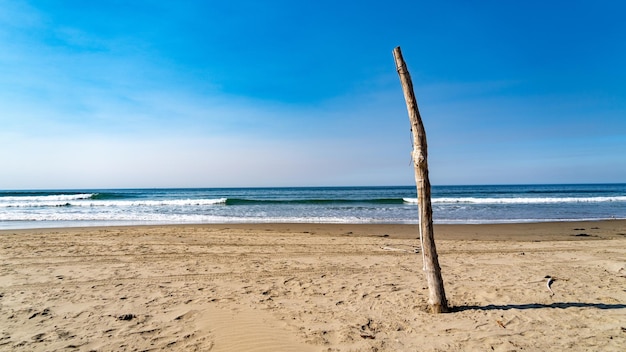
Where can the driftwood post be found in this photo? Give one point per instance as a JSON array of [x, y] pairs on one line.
[[437, 296]]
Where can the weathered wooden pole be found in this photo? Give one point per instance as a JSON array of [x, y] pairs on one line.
[[437, 296]]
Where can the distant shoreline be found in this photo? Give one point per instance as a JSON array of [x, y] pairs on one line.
[[244, 224], [536, 231]]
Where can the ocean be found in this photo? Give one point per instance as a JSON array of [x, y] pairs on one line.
[[397, 204]]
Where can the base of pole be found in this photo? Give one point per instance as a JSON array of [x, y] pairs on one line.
[[438, 308]]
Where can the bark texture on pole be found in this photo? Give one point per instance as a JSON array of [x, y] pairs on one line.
[[437, 296]]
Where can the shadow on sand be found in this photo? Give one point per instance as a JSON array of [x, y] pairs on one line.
[[560, 305]]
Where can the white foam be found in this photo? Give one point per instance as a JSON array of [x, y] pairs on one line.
[[49, 198], [87, 202], [518, 200]]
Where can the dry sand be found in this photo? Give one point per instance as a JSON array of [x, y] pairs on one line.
[[310, 287]]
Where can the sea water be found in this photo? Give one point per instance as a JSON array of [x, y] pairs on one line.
[[397, 204]]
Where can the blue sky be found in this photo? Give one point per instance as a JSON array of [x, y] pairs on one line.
[[296, 93]]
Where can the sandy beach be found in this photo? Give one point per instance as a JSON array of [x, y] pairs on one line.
[[312, 287]]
